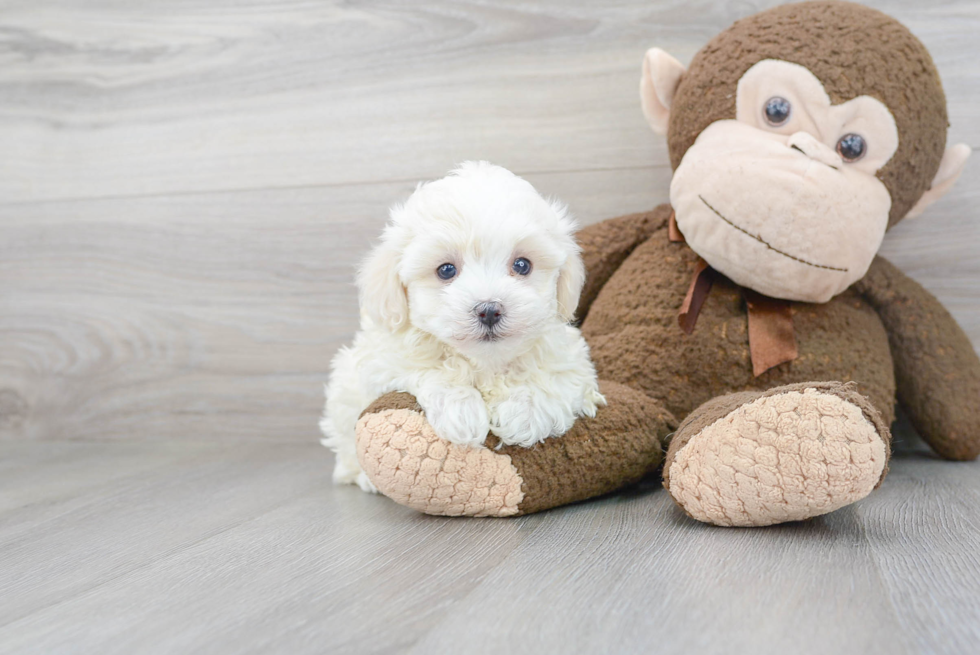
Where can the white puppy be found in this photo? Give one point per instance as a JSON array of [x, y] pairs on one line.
[[466, 305]]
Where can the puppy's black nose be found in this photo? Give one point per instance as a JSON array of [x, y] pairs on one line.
[[489, 313]]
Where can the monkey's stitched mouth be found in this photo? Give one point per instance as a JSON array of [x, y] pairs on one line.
[[767, 244]]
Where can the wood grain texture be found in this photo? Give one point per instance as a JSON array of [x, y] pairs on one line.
[[185, 190], [167, 97], [250, 549]]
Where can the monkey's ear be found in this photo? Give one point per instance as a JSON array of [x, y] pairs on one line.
[[954, 160], [381, 293], [661, 75]]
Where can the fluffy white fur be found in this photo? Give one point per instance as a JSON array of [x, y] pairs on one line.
[[525, 380]]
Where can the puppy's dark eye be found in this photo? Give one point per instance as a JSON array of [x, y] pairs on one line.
[[521, 266], [851, 147], [777, 110], [446, 272]]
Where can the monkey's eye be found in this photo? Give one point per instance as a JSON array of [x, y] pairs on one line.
[[851, 147], [521, 266], [446, 272], [777, 110]]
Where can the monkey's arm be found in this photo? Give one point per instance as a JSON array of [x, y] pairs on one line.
[[936, 368], [606, 244]]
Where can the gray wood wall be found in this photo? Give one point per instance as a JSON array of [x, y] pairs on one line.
[[186, 186]]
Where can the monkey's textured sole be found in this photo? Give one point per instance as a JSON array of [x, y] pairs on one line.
[[782, 457], [407, 462]]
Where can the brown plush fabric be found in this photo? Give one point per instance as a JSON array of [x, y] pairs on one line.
[[717, 408], [635, 340], [394, 400], [618, 447], [882, 59], [605, 245], [936, 368]]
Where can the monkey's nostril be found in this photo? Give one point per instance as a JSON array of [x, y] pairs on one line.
[[811, 148]]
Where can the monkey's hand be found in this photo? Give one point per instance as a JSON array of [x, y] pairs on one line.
[[936, 369]]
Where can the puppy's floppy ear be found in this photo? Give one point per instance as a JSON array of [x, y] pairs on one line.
[[380, 291], [571, 275]]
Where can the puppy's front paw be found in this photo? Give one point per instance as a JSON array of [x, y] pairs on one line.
[[527, 417], [457, 414]]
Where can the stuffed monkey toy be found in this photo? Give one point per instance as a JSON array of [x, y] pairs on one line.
[[748, 338]]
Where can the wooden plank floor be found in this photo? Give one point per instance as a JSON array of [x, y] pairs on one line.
[[185, 188]]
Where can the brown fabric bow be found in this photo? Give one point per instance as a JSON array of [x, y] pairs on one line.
[[697, 293], [772, 340]]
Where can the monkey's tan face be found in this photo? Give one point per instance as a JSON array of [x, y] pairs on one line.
[[784, 199]]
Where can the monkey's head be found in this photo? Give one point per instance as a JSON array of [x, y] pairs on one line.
[[798, 136]]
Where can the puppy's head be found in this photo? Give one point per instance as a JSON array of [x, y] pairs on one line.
[[478, 259]]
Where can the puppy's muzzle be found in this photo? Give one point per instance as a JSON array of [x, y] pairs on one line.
[[489, 314]]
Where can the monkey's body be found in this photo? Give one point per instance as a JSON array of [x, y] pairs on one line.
[[638, 280], [798, 136], [634, 337]]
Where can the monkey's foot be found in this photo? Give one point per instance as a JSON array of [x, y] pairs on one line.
[[786, 454], [406, 461]]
